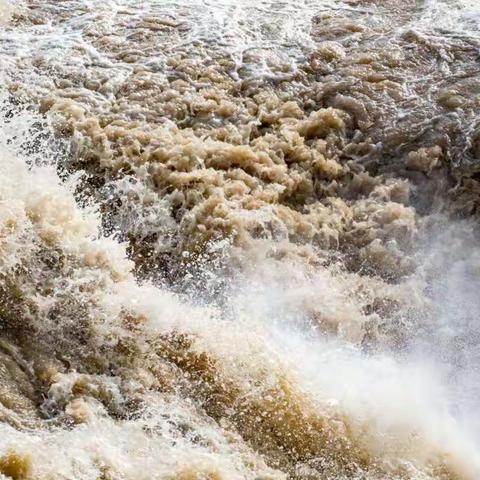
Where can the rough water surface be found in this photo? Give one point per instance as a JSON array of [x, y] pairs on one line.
[[239, 239]]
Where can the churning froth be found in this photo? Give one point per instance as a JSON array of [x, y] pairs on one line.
[[238, 241]]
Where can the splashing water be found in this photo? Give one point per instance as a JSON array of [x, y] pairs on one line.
[[238, 240]]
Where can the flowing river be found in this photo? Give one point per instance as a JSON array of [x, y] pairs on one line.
[[239, 239]]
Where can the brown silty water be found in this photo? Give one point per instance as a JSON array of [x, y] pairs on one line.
[[238, 240]]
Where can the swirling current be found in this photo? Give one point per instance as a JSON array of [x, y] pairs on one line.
[[239, 239]]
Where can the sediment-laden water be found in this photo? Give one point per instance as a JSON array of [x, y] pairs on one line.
[[239, 239]]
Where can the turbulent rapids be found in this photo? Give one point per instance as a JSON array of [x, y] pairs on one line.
[[239, 239]]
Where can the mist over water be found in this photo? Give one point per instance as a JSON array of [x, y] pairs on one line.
[[239, 240]]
